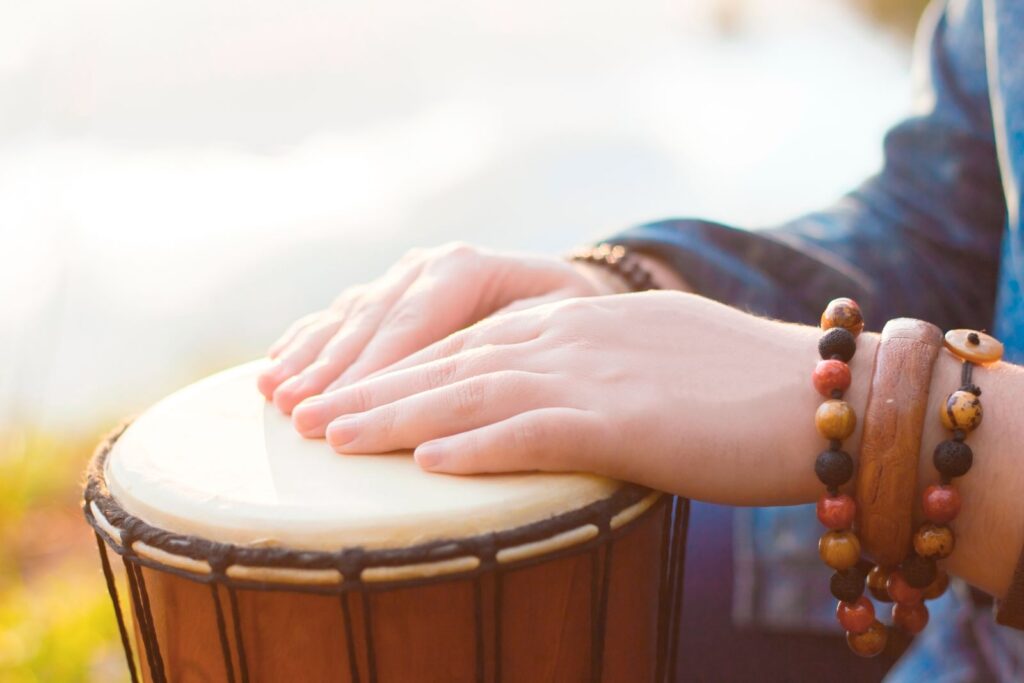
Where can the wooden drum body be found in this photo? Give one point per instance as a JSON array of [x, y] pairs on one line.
[[513, 578]]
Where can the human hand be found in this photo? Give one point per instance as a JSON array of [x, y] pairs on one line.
[[425, 296], [667, 389]]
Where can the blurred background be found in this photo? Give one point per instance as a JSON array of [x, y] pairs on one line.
[[179, 181]]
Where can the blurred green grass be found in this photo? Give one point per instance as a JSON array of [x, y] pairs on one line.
[[56, 621]]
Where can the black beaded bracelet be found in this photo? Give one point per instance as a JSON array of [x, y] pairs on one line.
[[619, 260]]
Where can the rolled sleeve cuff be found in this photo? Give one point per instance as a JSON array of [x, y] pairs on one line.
[[748, 270]]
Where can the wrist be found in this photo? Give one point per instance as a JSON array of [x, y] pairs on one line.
[[615, 269], [603, 280], [989, 529]]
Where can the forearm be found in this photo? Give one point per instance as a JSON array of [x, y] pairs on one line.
[[747, 415], [761, 404]]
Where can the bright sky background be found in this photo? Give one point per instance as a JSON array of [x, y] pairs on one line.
[[180, 180]]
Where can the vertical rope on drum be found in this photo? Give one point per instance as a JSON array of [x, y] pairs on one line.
[[140, 619], [243, 664], [664, 596], [682, 519], [140, 616], [371, 655], [159, 675], [478, 626], [222, 633], [498, 590], [606, 576], [108, 575], [350, 644], [599, 608]]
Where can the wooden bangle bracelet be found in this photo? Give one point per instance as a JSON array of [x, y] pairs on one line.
[[891, 442]]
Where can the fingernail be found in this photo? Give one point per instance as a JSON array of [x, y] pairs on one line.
[[267, 381], [311, 402], [292, 385], [306, 416], [343, 430], [429, 454], [273, 368]]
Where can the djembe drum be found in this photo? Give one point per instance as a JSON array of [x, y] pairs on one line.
[[252, 554]]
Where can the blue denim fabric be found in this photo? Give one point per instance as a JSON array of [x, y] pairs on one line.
[[937, 235]]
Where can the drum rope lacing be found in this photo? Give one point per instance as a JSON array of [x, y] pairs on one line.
[[350, 563]]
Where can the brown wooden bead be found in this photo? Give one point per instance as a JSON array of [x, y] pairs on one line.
[[941, 504], [835, 419], [934, 540], [900, 590], [830, 375], [856, 617], [836, 512], [845, 313], [878, 583], [974, 346], [839, 549], [937, 587], [871, 642], [910, 618], [961, 410]]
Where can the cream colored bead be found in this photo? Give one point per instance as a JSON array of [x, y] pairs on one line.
[[974, 346]]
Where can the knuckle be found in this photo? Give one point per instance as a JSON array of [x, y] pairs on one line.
[[362, 398], [453, 344], [459, 249], [525, 435], [570, 309], [383, 419], [466, 398], [458, 257], [403, 317], [441, 373]]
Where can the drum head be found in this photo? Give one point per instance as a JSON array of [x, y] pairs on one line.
[[215, 460]]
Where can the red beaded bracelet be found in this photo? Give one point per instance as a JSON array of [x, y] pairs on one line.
[[835, 420], [918, 577]]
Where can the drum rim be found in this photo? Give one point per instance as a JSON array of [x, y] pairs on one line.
[[184, 554]]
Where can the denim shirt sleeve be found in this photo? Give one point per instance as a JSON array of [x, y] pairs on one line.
[[920, 239]]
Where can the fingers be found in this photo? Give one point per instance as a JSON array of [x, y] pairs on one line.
[[312, 416], [337, 355], [356, 317], [550, 439], [420, 317], [506, 330], [290, 334], [302, 351], [454, 408]]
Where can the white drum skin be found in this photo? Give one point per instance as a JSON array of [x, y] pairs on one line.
[[216, 460]]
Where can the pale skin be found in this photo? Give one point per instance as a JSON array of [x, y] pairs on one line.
[[487, 362]]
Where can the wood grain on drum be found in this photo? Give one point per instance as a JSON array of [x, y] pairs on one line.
[[537, 623]]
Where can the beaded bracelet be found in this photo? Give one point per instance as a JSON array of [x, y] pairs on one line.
[[835, 420], [918, 577], [619, 260]]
